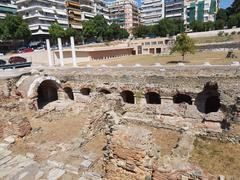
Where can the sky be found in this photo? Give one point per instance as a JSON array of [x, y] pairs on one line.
[[225, 3]]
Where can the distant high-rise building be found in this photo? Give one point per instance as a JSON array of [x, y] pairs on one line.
[[125, 13], [200, 10], [41, 14], [152, 11], [83, 10], [174, 9], [7, 7]]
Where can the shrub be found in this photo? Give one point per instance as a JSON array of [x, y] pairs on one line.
[[238, 32], [233, 33], [220, 33], [226, 34]]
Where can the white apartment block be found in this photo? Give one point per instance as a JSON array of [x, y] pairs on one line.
[[152, 11], [40, 14]]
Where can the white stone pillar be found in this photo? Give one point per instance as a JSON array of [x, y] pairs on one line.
[[60, 52], [73, 51], [49, 53]]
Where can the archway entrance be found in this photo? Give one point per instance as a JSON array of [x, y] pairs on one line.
[[128, 97], [212, 104], [85, 91], [104, 91], [152, 98], [47, 92], [69, 92], [182, 98], [208, 100]]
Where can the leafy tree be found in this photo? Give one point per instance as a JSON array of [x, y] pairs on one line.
[[234, 20], [14, 28], [219, 24], [141, 31], [183, 44], [235, 7], [100, 26], [197, 26], [113, 31], [123, 34], [222, 14], [56, 31], [70, 32], [165, 27], [208, 26], [89, 29]]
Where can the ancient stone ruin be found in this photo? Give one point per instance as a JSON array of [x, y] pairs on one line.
[[117, 123]]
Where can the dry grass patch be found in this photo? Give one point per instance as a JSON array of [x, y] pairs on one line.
[[214, 39], [217, 157], [216, 58]]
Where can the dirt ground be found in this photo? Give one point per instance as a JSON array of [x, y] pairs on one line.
[[217, 157], [215, 58]]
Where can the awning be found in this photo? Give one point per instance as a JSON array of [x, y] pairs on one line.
[[48, 10], [76, 12], [34, 28], [76, 26], [44, 27], [64, 13], [62, 21]]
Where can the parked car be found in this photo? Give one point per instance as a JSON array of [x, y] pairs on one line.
[[2, 62], [25, 50], [17, 59]]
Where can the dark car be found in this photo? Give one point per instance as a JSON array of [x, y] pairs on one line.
[[17, 59], [2, 62]]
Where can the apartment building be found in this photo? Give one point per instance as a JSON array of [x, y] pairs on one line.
[[201, 10], [151, 11], [74, 13], [83, 10], [40, 14], [174, 9], [125, 13], [6, 7]]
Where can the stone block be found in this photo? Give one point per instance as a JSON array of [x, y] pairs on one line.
[[9, 140], [55, 174], [86, 163], [55, 164], [71, 169]]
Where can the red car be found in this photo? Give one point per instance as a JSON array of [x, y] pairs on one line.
[[25, 50], [17, 59]]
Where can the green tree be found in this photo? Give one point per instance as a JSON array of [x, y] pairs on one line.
[[70, 32], [234, 20], [14, 28], [89, 30], [183, 45], [197, 26], [219, 24], [100, 26], [123, 34], [56, 31], [141, 31], [208, 26], [165, 27], [235, 7], [113, 31], [222, 14]]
